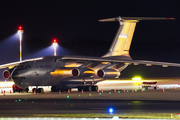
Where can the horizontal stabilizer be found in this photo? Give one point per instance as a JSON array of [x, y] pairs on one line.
[[135, 18]]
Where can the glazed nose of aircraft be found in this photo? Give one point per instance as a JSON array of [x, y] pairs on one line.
[[16, 77], [19, 77]]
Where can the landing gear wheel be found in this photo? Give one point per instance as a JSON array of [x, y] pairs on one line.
[[54, 89], [80, 88], [27, 90], [40, 90], [87, 88], [94, 88], [34, 89]]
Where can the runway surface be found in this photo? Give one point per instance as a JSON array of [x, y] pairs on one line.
[[154, 101]]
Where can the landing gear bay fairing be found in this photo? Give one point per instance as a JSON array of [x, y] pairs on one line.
[[82, 72]]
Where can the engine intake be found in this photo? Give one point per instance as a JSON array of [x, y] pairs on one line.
[[82, 72], [108, 73], [6, 74]]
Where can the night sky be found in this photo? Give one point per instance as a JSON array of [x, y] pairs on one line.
[[74, 23]]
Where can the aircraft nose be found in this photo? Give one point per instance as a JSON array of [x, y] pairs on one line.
[[16, 78], [19, 78]]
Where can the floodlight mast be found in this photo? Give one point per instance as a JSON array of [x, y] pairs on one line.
[[55, 46], [20, 31]]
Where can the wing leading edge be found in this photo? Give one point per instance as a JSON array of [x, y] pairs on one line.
[[135, 62], [11, 65]]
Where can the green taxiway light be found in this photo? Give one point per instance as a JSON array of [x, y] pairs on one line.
[[89, 94], [15, 100], [99, 93], [119, 91], [79, 95], [19, 100], [127, 90], [32, 101], [109, 92], [68, 96], [135, 90], [25, 98]]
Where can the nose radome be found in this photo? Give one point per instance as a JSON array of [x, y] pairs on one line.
[[19, 78], [15, 77]]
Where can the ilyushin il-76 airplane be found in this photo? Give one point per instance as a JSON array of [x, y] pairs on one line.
[[82, 72]]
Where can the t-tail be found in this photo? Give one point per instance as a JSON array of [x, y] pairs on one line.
[[123, 38]]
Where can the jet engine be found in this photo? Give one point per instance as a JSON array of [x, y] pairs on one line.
[[108, 73], [7, 73], [82, 72]]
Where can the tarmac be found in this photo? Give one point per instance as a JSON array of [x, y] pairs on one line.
[[160, 94]]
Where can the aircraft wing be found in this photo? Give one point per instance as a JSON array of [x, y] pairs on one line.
[[11, 65], [135, 62]]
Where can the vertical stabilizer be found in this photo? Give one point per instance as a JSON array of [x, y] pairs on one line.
[[122, 41]]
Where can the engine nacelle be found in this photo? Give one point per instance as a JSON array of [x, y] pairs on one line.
[[108, 73], [7, 73], [82, 72]]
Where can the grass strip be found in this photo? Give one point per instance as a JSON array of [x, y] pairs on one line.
[[122, 115]]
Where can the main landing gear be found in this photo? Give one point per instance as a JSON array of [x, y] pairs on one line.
[[80, 88], [88, 88], [38, 90], [56, 89]]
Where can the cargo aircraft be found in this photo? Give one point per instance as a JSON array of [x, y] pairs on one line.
[[82, 72]]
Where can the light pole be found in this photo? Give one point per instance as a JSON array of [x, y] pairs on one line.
[[20, 31], [55, 44]]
